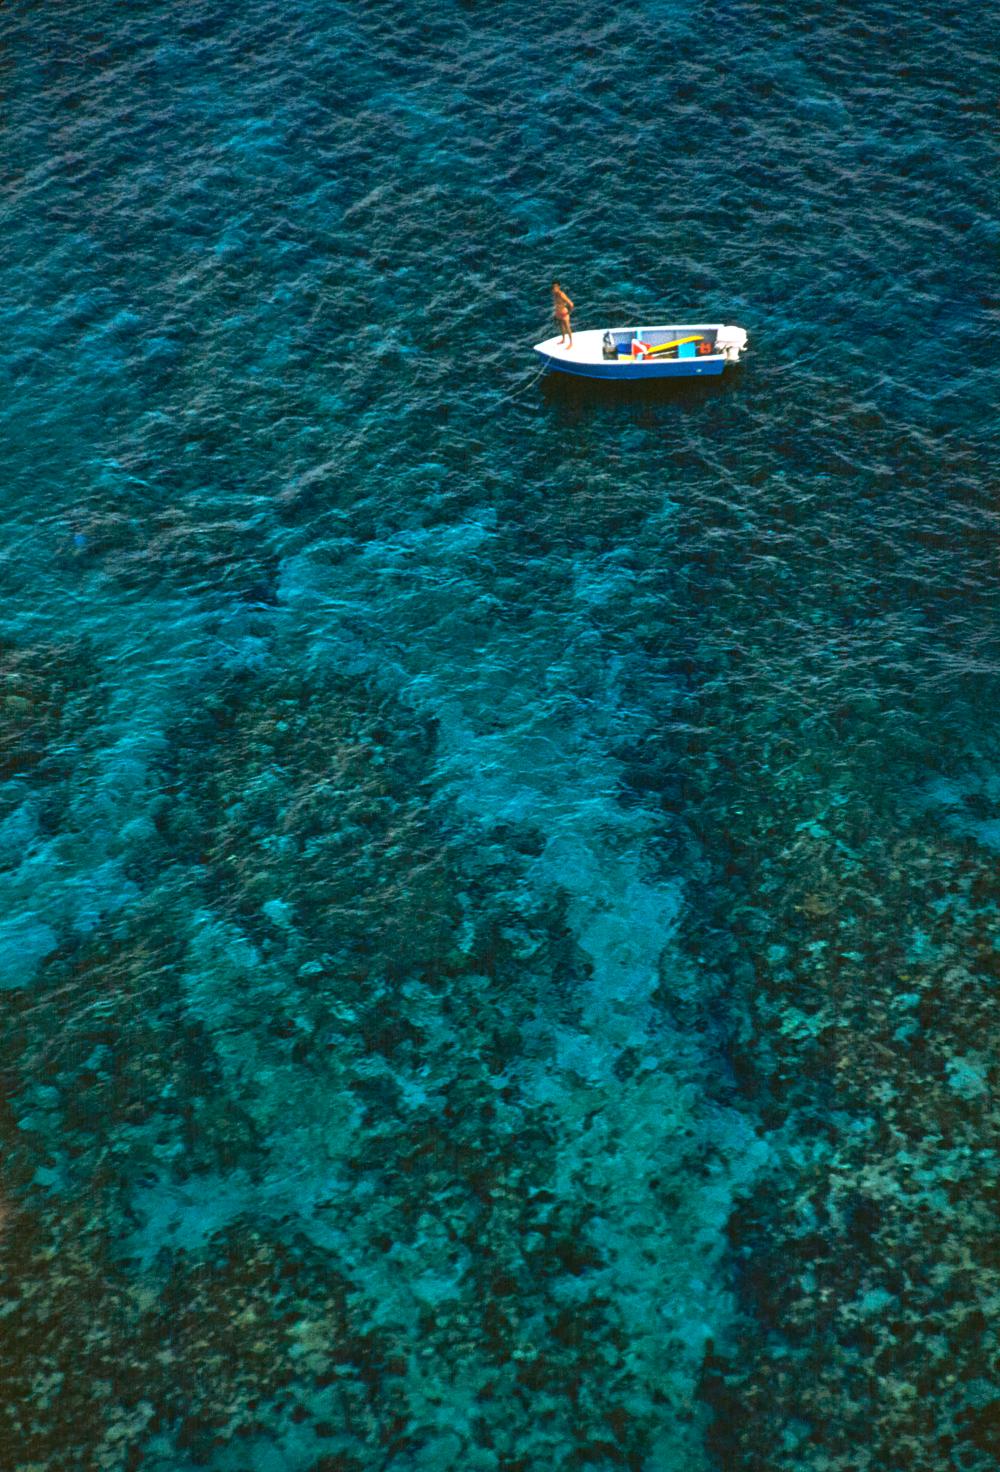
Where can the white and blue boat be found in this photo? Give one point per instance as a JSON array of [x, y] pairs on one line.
[[628, 353]]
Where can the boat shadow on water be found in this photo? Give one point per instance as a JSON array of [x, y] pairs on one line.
[[575, 396]]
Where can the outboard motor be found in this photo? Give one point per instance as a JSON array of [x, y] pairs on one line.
[[730, 342], [610, 351]]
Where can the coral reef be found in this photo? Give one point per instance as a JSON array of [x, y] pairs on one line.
[[303, 1146], [863, 971]]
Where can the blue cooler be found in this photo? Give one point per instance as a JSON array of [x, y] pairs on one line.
[[687, 350]]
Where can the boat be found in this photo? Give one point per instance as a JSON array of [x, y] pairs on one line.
[[626, 353]]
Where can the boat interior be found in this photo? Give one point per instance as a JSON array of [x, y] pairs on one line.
[[672, 342]]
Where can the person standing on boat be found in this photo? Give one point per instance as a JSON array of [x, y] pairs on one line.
[[561, 307]]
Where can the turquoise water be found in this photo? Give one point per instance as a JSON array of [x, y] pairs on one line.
[[499, 935]]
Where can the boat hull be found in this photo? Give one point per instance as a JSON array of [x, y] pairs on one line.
[[586, 358], [623, 372]]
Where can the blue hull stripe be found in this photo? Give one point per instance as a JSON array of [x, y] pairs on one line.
[[617, 372]]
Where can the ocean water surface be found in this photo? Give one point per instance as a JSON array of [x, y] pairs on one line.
[[499, 936]]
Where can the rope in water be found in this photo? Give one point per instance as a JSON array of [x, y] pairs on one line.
[[525, 386]]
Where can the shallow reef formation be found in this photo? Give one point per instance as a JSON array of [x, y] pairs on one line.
[[50, 697], [869, 1260], [862, 967], [307, 1164], [284, 1182]]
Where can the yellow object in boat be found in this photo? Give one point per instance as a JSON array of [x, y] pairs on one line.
[[661, 347]]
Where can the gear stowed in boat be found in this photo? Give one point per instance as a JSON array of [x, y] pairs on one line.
[[646, 352]]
